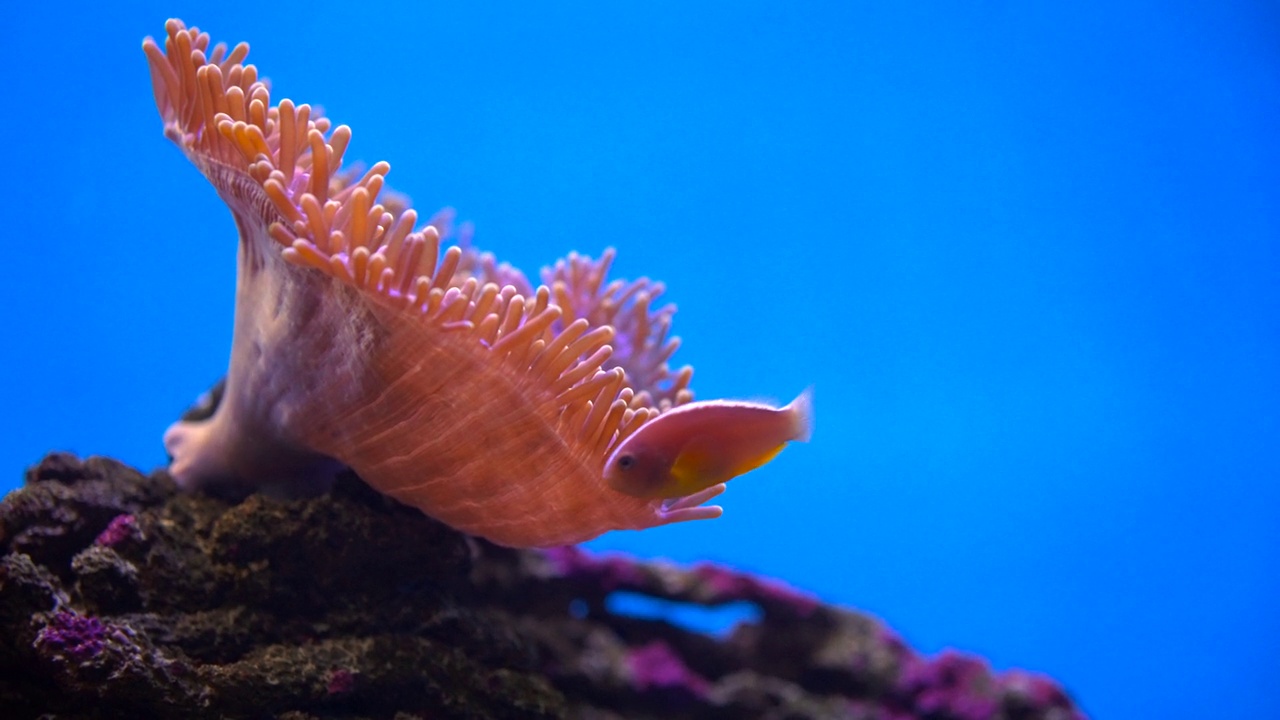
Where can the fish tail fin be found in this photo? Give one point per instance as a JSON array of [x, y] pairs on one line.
[[801, 410]]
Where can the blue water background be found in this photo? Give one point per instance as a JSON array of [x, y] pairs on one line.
[[1029, 259]]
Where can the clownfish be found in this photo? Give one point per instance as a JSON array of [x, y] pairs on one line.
[[697, 446]]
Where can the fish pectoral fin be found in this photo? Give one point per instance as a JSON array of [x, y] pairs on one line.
[[701, 464], [698, 465], [690, 467]]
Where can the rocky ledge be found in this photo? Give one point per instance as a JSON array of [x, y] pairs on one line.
[[121, 597]]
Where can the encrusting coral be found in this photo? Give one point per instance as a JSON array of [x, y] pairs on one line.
[[121, 597], [444, 380]]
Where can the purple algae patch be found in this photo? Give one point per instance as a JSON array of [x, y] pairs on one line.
[[75, 637], [121, 528], [1038, 690], [1036, 694], [953, 684], [341, 681], [728, 585], [609, 573], [656, 665], [704, 583]]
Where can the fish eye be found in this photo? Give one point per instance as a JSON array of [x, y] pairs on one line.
[[625, 462]]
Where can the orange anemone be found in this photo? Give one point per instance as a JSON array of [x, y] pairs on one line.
[[444, 380]]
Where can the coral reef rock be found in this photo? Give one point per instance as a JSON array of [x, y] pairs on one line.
[[121, 597]]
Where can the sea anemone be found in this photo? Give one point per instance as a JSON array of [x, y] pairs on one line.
[[445, 380]]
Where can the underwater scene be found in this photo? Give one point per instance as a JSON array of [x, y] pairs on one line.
[[347, 378]]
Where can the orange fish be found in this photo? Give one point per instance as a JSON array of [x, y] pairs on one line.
[[698, 446]]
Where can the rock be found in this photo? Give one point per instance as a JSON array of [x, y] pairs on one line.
[[121, 597]]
